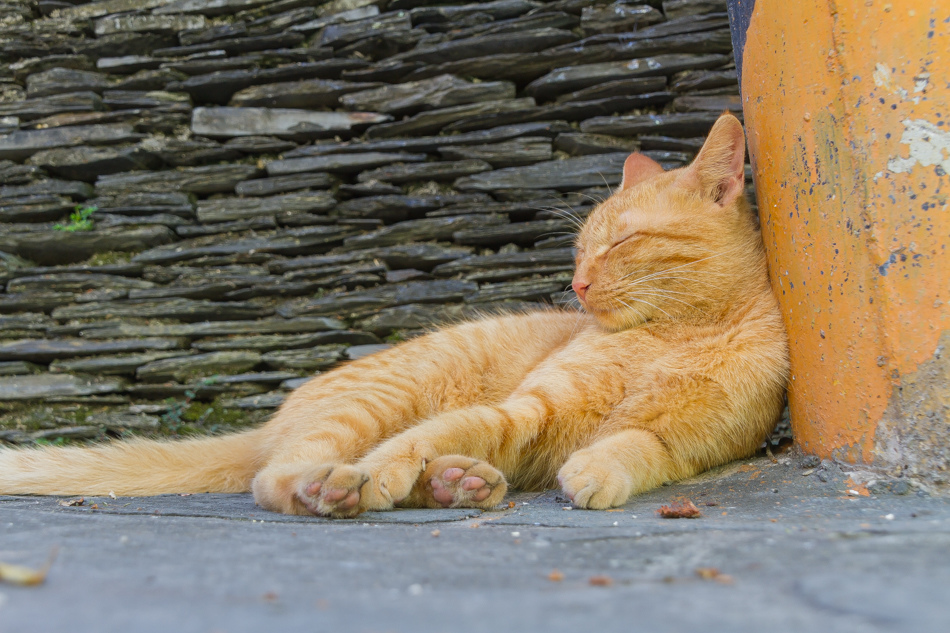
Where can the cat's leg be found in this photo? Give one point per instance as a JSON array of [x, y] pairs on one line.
[[611, 470], [330, 423], [486, 433]]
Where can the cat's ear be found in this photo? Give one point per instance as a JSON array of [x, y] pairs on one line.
[[719, 168], [638, 168]]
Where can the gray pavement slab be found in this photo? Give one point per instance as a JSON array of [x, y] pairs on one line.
[[798, 553]]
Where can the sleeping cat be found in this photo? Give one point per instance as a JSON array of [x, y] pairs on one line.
[[677, 364]]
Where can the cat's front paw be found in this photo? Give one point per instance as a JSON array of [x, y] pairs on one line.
[[334, 490], [594, 482]]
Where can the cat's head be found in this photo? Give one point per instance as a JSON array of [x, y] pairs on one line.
[[671, 244]]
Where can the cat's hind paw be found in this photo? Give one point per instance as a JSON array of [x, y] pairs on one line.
[[593, 484], [454, 481], [333, 490]]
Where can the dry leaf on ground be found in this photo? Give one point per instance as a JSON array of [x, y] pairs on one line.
[[25, 576], [680, 510]]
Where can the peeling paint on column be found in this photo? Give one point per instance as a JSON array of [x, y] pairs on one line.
[[847, 109]]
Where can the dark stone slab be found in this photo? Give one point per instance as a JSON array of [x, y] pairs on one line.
[[30, 109], [529, 290], [343, 33], [513, 153], [573, 111], [578, 144], [236, 46], [345, 303], [421, 230], [309, 93], [178, 309], [265, 223], [679, 124], [284, 184], [147, 203], [128, 64], [198, 180], [408, 172], [59, 80], [23, 68], [389, 208], [18, 368], [690, 145], [518, 67], [431, 144], [340, 163], [497, 10], [61, 247], [121, 44], [63, 281], [434, 120], [146, 97], [438, 92], [274, 342], [44, 386], [423, 256], [522, 233], [259, 144], [574, 78], [522, 42], [571, 173], [213, 291], [66, 188], [680, 8], [13, 174], [478, 263], [216, 328], [44, 351], [225, 210], [228, 122], [618, 18], [713, 103], [362, 189], [147, 23], [33, 301], [411, 317], [218, 87], [24, 143], [187, 368], [622, 87], [88, 163], [704, 80], [35, 208], [288, 242], [313, 359]]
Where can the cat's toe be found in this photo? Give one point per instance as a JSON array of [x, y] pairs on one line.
[[333, 490], [454, 481]]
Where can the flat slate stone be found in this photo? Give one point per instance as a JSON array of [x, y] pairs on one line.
[[133, 203], [513, 153], [308, 93], [202, 180], [313, 359], [621, 87], [229, 122], [62, 281], [228, 209], [50, 186], [216, 328], [477, 263], [88, 163], [340, 163], [411, 317], [618, 18], [567, 174], [18, 368], [147, 23], [22, 144], [43, 386], [423, 256], [438, 291], [119, 365], [578, 144], [441, 170], [704, 80], [179, 309], [62, 247], [427, 94], [421, 230], [33, 301], [520, 42], [710, 103], [128, 64], [677, 124], [681, 8], [44, 351], [288, 242], [342, 33], [574, 78], [529, 290], [523, 233], [434, 120], [30, 109], [36, 208], [59, 80], [390, 208], [259, 144], [498, 10], [273, 342], [186, 368], [284, 184]]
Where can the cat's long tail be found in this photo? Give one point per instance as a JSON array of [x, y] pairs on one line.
[[135, 468]]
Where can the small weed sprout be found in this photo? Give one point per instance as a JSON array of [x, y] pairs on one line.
[[79, 220]]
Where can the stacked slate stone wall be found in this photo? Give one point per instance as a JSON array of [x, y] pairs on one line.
[[204, 202]]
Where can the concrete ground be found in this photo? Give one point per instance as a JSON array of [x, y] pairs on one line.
[[782, 548]]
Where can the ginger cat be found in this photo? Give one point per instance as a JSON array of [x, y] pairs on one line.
[[679, 364]]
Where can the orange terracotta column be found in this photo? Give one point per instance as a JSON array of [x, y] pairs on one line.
[[847, 109]]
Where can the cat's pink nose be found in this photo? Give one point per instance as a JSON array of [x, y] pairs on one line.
[[580, 287]]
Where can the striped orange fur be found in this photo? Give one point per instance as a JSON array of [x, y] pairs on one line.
[[677, 363]]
